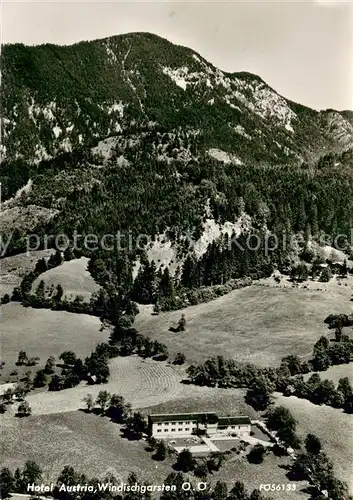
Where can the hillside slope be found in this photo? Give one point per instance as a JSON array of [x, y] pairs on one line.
[[135, 134]]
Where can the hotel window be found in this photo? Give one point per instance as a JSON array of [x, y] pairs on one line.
[[173, 423], [180, 429], [181, 423], [159, 424], [173, 430], [187, 428], [159, 430], [166, 423]]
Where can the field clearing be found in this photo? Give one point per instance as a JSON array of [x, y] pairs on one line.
[[148, 385], [334, 373], [271, 470], [72, 276], [333, 427], [256, 324], [91, 444], [44, 333], [140, 383], [12, 269]]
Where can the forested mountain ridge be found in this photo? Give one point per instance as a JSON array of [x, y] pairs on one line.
[[132, 133], [57, 98]]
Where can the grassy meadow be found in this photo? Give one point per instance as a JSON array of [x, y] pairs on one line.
[[44, 333], [258, 324], [72, 276]]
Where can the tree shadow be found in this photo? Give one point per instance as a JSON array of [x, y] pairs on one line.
[[130, 436], [156, 458], [284, 466], [160, 357], [310, 490], [279, 451], [94, 411]]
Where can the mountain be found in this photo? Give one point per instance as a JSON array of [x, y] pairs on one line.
[[57, 99], [133, 133]]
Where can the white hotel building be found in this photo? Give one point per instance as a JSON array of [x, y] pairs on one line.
[[209, 423]]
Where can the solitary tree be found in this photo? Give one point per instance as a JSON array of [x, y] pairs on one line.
[[201, 469], [34, 360], [136, 425], [185, 461], [88, 400], [345, 387], [280, 417], [161, 451], [326, 275], [22, 358], [215, 461], [220, 491], [40, 379], [24, 409], [118, 409], [281, 420], [5, 299], [57, 383], [50, 365], [157, 308], [19, 482], [259, 395], [148, 347], [312, 444], [179, 359], [256, 454], [41, 267], [68, 357], [31, 473], [8, 395], [59, 293], [27, 380], [102, 400], [238, 492], [256, 495], [7, 482], [182, 323], [20, 392]]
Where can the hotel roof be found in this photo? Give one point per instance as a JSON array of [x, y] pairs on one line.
[[172, 417], [201, 417], [241, 420]]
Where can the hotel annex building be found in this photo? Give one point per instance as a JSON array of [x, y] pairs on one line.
[[185, 424]]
